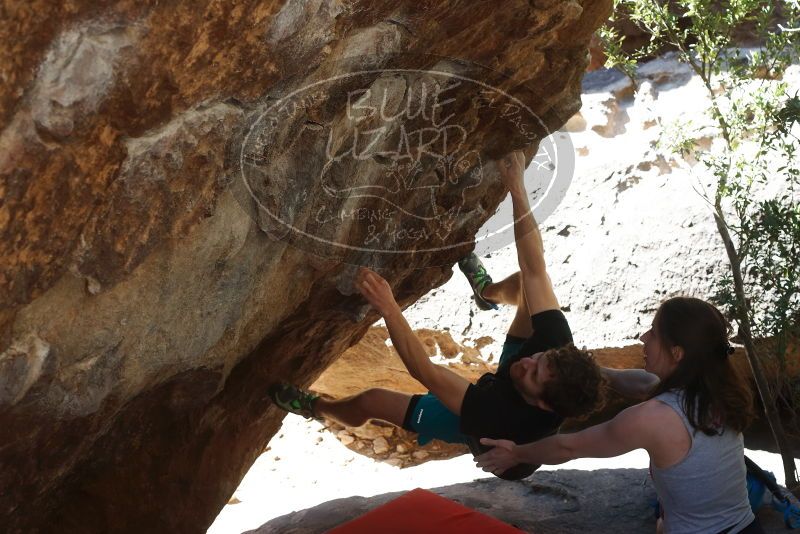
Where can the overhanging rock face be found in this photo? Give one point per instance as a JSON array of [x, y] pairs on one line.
[[185, 189]]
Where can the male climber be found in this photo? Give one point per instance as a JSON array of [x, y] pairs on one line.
[[541, 377]]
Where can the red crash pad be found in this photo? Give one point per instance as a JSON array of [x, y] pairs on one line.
[[420, 511]]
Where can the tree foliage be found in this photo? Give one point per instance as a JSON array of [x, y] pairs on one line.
[[755, 117]]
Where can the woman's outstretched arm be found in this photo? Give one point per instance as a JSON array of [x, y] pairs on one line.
[[628, 431]]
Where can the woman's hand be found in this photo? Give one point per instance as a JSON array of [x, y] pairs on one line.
[[377, 291], [498, 459], [512, 169]]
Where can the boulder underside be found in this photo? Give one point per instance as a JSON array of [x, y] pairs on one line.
[[186, 189]]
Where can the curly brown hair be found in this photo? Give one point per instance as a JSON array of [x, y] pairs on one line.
[[577, 387]]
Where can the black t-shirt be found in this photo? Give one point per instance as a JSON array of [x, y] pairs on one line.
[[492, 408]]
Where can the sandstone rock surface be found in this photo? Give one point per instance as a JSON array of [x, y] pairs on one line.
[[147, 299]]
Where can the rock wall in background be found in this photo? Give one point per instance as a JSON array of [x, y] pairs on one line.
[[149, 289]]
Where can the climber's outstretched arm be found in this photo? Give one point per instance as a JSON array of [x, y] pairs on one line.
[[441, 381], [536, 283]]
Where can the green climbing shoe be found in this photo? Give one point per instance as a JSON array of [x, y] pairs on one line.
[[293, 400], [478, 279]]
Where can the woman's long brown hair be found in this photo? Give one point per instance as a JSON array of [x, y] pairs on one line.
[[715, 395]]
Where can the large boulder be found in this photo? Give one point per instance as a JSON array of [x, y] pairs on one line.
[[183, 197], [568, 501]]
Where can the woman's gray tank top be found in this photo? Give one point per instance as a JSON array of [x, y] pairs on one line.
[[706, 492]]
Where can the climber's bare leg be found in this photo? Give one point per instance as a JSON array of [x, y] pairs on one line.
[[505, 291], [376, 403], [509, 291]]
